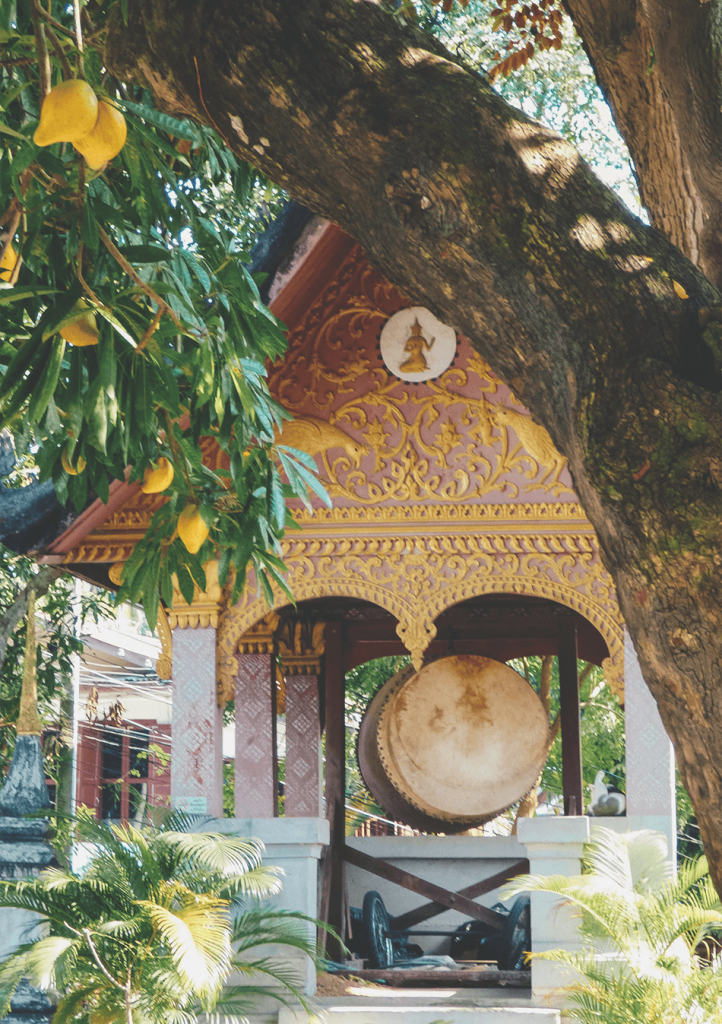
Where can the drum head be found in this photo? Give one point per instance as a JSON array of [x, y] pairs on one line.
[[454, 744]]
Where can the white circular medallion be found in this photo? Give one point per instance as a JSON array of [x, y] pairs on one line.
[[416, 346]]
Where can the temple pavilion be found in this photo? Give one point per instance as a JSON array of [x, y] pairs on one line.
[[454, 530]]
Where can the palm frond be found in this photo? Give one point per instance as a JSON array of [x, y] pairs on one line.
[[199, 936], [12, 972], [71, 1005], [41, 960], [214, 852]]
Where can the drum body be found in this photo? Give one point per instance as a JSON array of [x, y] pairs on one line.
[[453, 745]]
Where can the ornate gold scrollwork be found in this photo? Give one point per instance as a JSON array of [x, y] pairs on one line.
[[164, 665], [444, 442], [206, 607], [301, 645], [418, 577]]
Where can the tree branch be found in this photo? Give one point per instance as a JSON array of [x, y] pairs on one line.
[[17, 611], [131, 272], [101, 966], [43, 60]]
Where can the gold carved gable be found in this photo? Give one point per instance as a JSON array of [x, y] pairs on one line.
[[459, 439]]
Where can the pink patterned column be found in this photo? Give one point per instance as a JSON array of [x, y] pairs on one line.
[[197, 751], [303, 748], [255, 737]]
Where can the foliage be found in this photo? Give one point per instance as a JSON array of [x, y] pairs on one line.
[[153, 243], [57, 643], [646, 955], [362, 683], [602, 726], [153, 926]]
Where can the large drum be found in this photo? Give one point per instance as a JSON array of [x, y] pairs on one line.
[[453, 745]]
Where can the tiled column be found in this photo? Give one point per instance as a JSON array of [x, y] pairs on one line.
[[651, 791], [303, 748], [197, 751], [301, 646], [255, 736]]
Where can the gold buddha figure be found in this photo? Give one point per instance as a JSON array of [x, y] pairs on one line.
[[416, 363]]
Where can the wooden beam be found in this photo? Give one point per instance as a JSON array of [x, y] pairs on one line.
[[450, 900], [335, 689], [427, 910], [569, 712]]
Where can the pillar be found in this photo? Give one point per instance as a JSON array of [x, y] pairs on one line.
[[651, 790], [300, 651], [256, 773], [303, 748], [196, 742], [554, 846]]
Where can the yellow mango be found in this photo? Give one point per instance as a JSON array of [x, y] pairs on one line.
[[156, 480], [106, 139], [83, 330], [70, 469], [69, 112], [7, 263], [191, 528]]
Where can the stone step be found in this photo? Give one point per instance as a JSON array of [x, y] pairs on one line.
[[436, 1013]]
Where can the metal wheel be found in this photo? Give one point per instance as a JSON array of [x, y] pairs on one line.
[[516, 937], [376, 931]]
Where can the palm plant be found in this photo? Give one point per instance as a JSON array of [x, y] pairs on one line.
[[649, 953], [152, 927]]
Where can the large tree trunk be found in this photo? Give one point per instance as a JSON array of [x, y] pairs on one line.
[[499, 227], [660, 67]]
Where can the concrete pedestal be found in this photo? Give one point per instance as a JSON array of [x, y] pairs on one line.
[[555, 846], [295, 845]]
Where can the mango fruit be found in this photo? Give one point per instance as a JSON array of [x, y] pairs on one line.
[[191, 528], [156, 480], [105, 139], [83, 330], [69, 112], [70, 469], [7, 263]]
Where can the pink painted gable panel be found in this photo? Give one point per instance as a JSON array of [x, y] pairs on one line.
[[461, 438]]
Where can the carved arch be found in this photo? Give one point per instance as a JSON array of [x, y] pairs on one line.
[[416, 623]]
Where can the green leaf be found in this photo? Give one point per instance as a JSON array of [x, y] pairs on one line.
[[181, 129], [144, 253], [6, 130], [185, 584], [49, 381], [89, 231], [96, 416], [21, 292]]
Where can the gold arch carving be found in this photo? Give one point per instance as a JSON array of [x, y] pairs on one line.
[[416, 618]]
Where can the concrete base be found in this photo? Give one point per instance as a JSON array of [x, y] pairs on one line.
[[390, 1012], [295, 845]]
